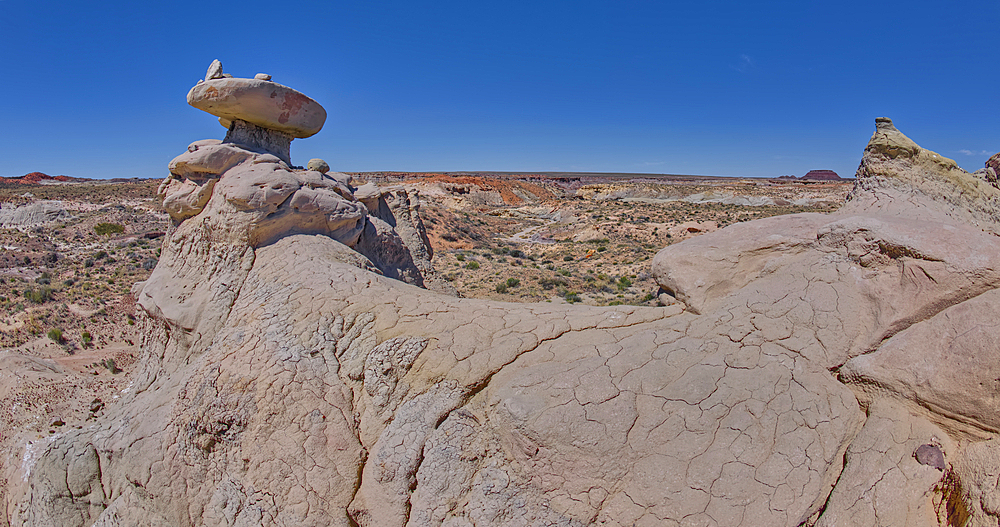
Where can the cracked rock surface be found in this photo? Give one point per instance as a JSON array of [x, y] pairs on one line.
[[818, 370]]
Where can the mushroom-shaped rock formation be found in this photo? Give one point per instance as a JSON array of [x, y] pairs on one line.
[[827, 370], [259, 113]]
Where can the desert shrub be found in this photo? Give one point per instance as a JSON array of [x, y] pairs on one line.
[[601, 249], [513, 282], [149, 263], [624, 283], [472, 265], [104, 229], [460, 257], [501, 287], [88, 263], [86, 338], [564, 272], [517, 253], [549, 283], [50, 258], [568, 258], [648, 297], [599, 241], [110, 365], [39, 296], [100, 255], [572, 297], [55, 335]]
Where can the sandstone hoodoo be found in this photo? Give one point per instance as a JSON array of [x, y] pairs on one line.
[[258, 112], [812, 370]]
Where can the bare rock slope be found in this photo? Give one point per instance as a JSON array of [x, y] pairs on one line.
[[827, 370]]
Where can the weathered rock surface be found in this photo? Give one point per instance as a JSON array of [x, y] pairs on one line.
[[262, 102], [827, 370], [898, 177], [35, 213], [318, 165]]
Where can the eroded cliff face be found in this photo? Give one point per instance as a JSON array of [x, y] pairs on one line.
[[818, 370]]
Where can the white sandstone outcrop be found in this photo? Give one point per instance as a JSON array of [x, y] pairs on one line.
[[828, 370]]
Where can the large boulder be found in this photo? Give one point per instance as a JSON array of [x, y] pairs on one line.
[[262, 102]]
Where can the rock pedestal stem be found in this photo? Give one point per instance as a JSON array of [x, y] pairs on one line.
[[260, 138]]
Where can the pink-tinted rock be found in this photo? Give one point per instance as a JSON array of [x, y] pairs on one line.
[[994, 163], [264, 103]]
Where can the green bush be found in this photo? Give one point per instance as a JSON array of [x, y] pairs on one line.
[[624, 283], [38, 296], [55, 334], [460, 257], [549, 283], [513, 282], [502, 288], [110, 365], [104, 229], [472, 265], [86, 338], [572, 298], [567, 258]]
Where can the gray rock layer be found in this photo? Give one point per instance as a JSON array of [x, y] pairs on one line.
[[32, 214]]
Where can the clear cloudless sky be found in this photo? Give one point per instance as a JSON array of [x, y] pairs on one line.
[[97, 89]]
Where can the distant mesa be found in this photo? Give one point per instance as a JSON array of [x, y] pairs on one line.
[[36, 178], [821, 175], [816, 175]]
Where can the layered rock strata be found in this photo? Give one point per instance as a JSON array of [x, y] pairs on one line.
[[818, 370]]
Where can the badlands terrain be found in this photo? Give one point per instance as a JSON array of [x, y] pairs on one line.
[[308, 347], [519, 238]]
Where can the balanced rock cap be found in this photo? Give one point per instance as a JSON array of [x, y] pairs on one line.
[[261, 102]]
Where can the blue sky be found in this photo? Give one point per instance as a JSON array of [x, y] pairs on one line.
[[97, 89]]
